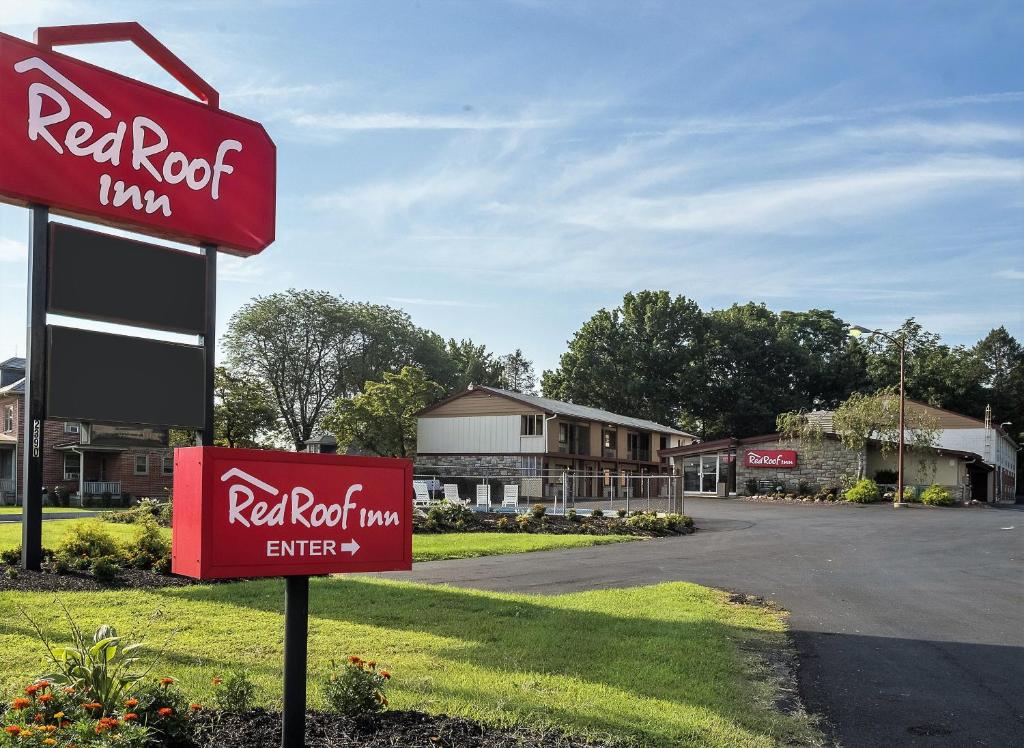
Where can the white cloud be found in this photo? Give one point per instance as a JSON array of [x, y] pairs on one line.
[[413, 301], [12, 251], [1011, 274], [406, 121], [790, 204], [233, 269]]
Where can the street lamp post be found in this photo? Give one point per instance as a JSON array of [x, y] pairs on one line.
[[857, 331]]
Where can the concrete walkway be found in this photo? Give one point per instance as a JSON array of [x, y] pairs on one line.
[[909, 623]]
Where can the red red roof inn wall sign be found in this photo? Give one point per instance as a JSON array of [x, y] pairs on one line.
[[770, 458], [93, 144], [255, 513]]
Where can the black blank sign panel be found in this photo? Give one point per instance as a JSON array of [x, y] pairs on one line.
[[103, 277], [104, 378]]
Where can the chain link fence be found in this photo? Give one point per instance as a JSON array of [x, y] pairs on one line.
[[557, 490]]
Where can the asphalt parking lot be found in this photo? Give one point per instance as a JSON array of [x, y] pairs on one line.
[[909, 623]]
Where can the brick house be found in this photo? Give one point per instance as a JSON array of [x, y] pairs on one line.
[[89, 460]]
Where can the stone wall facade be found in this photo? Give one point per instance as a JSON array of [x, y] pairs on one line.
[[452, 465], [818, 464]]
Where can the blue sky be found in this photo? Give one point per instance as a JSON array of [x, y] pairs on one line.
[[501, 170]]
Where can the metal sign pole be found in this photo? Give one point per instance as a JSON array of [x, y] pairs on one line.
[[35, 391], [209, 340], [296, 629]]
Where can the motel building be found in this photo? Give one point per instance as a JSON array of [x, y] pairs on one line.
[[487, 431], [974, 459]]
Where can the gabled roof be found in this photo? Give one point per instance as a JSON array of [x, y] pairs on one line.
[[570, 410], [15, 388], [13, 363]]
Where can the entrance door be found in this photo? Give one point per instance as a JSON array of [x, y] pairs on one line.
[[979, 483]]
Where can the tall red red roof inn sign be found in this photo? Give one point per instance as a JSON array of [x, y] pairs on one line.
[[91, 143]]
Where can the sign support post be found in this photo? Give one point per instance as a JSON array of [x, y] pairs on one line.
[[209, 253], [35, 395], [296, 630]]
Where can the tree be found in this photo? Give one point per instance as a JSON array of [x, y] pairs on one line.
[[472, 364], [243, 411], [517, 373], [1001, 359], [294, 343], [382, 418], [868, 418], [641, 359]]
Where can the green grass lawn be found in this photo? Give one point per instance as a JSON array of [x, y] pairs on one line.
[[668, 665], [424, 547]]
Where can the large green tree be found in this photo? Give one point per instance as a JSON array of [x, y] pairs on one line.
[[243, 412], [637, 359], [517, 373], [382, 418]]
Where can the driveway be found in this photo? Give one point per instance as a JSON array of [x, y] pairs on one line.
[[909, 623]]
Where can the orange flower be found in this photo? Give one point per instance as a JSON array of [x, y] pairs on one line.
[[165, 711], [107, 723], [49, 741], [354, 660], [92, 705], [49, 728], [67, 689], [385, 675], [372, 663], [39, 717], [195, 707], [131, 702], [130, 717], [218, 680], [166, 682], [46, 697], [12, 729], [31, 690], [20, 703]]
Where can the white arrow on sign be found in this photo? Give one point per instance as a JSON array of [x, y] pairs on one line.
[[352, 546]]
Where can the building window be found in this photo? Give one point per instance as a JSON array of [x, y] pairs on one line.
[[72, 464], [563, 437], [531, 466], [531, 425], [142, 464], [608, 442], [167, 467], [664, 442], [8, 419], [71, 427]]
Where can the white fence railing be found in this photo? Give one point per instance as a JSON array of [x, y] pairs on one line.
[[6, 485], [100, 487]]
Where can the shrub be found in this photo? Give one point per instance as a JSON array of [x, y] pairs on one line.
[[571, 515], [358, 689], [596, 513], [523, 522], [620, 513], [504, 524], [803, 488], [650, 523], [538, 510], [61, 496], [235, 693], [447, 516], [751, 484], [106, 568], [10, 556], [148, 547], [678, 522], [936, 495], [84, 543], [864, 491]]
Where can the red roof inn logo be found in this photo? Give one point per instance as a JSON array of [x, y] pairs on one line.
[[93, 144], [770, 458]]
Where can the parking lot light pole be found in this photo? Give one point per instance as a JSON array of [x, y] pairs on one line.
[[857, 331]]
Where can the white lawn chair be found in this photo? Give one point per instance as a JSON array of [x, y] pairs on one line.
[[483, 495], [511, 497], [451, 494], [421, 499]]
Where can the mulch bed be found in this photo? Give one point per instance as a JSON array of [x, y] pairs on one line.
[[261, 729], [84, 581]]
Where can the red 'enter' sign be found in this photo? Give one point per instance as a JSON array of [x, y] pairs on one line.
[[259, 513]]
